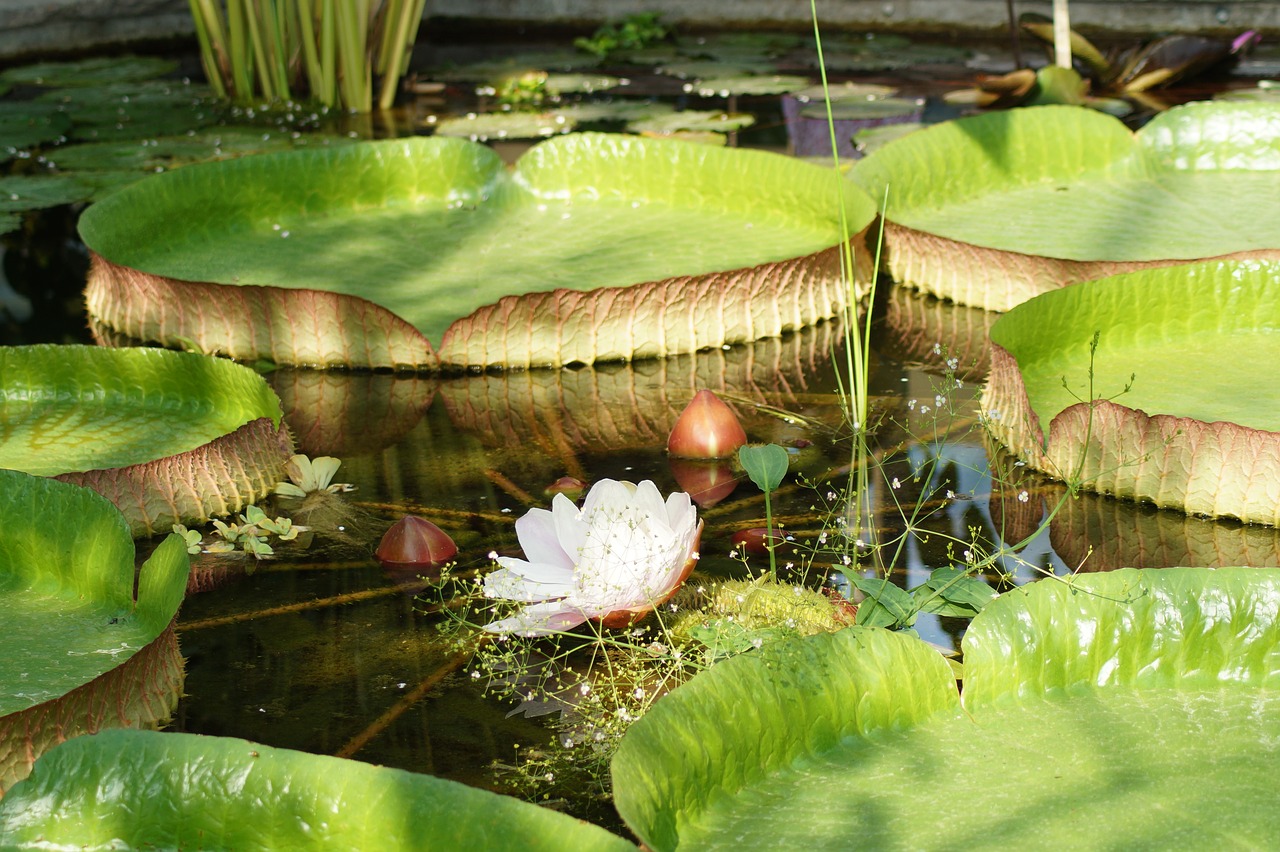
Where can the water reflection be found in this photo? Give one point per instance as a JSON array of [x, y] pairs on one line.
[[321, 650]]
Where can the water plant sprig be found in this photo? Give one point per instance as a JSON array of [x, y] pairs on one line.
[[766, 464]]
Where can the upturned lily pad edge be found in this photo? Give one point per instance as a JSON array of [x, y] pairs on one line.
[[144, 690]]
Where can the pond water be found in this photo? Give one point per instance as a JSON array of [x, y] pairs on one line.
[[321, 649]]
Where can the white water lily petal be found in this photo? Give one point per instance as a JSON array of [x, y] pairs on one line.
[[539, 620], [519, 580], [570, 531], [536, 531], [629, 550]]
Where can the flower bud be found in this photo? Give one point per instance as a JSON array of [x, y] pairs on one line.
[[414, 542], [706, 429], [569, 486]]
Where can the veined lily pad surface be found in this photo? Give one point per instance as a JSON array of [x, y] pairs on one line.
[[78, 652], [595, 247], [149, 790], [1121, 710], [993, 209], [166, 436], [1199, 427]]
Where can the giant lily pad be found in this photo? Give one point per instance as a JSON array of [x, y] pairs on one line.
[[1199, 427], [79, 653], [993, 209], [149, 790], [1129, 709], [596, 247], [166, 436]]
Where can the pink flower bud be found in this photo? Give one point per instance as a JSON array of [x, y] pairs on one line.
[[706, 429], [414, 542], [569, 486]]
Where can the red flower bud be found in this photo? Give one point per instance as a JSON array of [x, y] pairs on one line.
[[706, 429], [414, 542]]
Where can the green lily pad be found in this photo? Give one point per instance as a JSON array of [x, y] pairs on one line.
[[991, 210], [1198, 428], [696, 69], [747, 84], [496, 69], [696, 120], [583, 253], [129, 112], [176, 791], [98, 71], [25, 124], [1266, 90], [9, 222], [871, 139], [567, 84], [19, 193], [79, 653], [167, 152], [1090, 699], [505, 125], [169, 437]]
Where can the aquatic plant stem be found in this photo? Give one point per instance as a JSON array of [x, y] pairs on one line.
[[406, 702]]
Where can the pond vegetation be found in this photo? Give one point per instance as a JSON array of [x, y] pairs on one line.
[[723, 556]]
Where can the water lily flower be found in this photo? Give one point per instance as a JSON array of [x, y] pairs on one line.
[[623, 553], [706, 429]]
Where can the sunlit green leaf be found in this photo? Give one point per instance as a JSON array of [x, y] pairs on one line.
[[148, 790]]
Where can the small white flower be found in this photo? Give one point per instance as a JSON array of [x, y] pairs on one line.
[[623, 553], [1023, 496], [307, 475]]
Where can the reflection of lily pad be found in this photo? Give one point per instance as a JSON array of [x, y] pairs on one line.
[[993, 209], [151, 790], [597, 247], [98, 71], [9, 222], [78, 652], [1199, 427], [921, 328], [1091, 700], [166, 436]]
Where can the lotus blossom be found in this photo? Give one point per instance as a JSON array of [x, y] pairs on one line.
[[623, 553]]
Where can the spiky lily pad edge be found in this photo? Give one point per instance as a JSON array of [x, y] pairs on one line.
[[142, 692], [321, 329], [1215, 469], [217, 478], [998, 280]]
